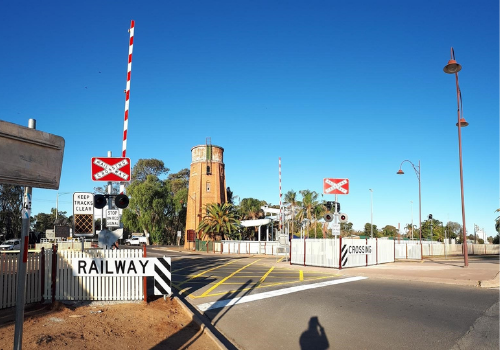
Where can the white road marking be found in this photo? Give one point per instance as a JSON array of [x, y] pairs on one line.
[[249, 298]]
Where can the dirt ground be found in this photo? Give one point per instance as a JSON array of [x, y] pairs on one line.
[[159, 324]]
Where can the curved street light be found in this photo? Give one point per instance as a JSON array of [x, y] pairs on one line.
[[417, 172], [453, 68]]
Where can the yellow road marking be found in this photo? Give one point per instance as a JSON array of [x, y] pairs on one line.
[[301, 275], [202, 273], [249, 288], [228, 277], [265, 276]]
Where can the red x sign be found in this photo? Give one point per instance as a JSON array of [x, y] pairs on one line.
[[111, 169], [336, 186]]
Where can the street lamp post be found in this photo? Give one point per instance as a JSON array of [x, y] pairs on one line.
[[57, 202], [371, 210], [411, 220], [453, 68], [417, 172]]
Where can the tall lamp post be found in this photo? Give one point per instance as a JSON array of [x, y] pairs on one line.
[[411, 220], [57, 202], [453, 68], [417, 172], [371, 210]]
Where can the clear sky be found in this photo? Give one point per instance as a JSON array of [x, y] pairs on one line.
[[337, 89]]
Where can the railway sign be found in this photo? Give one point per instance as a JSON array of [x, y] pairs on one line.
[[335, 186], [111, 169], [112, 218], [83, 214]]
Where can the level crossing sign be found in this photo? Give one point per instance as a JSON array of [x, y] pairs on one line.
[[111, 169], [335, 186]]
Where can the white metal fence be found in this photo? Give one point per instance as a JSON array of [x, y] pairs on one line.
[[46, 281], [412, 249], [341, 253]]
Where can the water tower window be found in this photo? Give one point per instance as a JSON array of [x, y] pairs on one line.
[[208, 186], [209, 171]]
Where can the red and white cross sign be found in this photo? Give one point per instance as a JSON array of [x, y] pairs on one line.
[[336, 186], [111, 169]]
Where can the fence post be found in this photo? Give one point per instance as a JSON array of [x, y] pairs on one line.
[[394, 250], [376, 251], [366, 243], [144, 279], [42, 271], [54, 272], [406, 251], [304, 251], [340, 252]]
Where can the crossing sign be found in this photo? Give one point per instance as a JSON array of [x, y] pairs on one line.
[[336, 186], [111, 169]]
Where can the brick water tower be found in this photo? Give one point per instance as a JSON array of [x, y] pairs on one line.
[[207, 184]]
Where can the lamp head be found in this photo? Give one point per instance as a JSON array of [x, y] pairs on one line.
[[400, 172], [452, 67], [463, 123]]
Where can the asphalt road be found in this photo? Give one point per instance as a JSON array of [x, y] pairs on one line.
[[260, 305]]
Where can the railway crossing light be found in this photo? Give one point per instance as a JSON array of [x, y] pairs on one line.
[[328, 217], [344, 217], [100, 201], [121, 201]]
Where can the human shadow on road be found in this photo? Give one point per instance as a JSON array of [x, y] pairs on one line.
[[314, 338]]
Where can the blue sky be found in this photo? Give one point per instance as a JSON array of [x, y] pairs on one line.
[[337, 89]]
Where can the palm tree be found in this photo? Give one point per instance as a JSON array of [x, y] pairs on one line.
[[291, 198], [220, 219], [309, 203]]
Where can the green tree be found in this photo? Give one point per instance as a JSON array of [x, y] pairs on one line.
[[309, 202], [389, 231], [220, 220], [453, 229], [151, 203], [346, 228], [145, 167], [291, 198], [497, 222], [179, 183], [367, 230], [250, 210], [44, 221], [11, 200]]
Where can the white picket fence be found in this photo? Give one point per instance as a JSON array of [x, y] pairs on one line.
[[40, 282], [8, 279], [69, 287]]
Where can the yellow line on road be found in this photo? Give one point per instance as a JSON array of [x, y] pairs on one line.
[[262, 279], [228, 277], [202, 273], [269, 284], [301, 275]]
